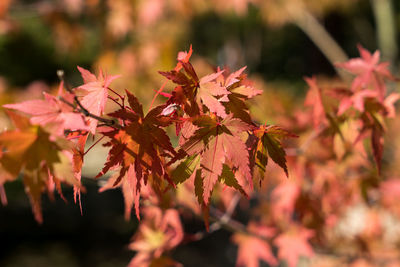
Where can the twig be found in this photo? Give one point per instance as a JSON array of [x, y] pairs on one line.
[[223, 220], [320, 36], [306, 144], [81, 108], [95, 143]]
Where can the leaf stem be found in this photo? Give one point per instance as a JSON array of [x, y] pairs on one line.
[[157, 93], [115, 101], [121, 97], [95, 143]]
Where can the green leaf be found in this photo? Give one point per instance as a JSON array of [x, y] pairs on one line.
[[228, 178], [198, 186], [184, 170], [275, 151]]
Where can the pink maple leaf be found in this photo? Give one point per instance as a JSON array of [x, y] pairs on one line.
[[52, 112], [212, 94], [314, 99], [94, 93], [284, 198], [293, 244], [368, 71], [252, 248]]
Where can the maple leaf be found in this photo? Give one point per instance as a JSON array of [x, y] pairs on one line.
[[293, 244], [390, 194], [314, 100], [94, 93], [139, 146], [184, 57], [240, 91], [160, 231], [253, 248], [185, 169], [388, 104], [212, 94], [53, 113], [266, 144], [78, 152], [4, 177], [217, 143], [208, 90], [130, 190], [284, 198], [42, 159], [368, 71]]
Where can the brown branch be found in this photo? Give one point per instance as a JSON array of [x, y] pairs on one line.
[[81, 108], [224, 220]]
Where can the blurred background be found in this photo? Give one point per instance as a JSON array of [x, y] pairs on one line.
[[280, 42]]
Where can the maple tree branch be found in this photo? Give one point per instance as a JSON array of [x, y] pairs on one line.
[[224, 220], [85, 112], [305, 145], [221, 220], [303, 19], [82, 109]]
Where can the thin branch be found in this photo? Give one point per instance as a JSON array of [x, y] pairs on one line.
[[223, 220], [85, 112], [320, 36], [95, 143], [81, 108], [306, 144]]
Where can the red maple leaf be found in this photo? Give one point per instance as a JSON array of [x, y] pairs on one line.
[[192, 92], [138, 148], [219, 146], [130, 190]]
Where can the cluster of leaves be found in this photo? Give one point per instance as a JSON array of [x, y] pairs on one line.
[[220, 147], [218, 141]]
